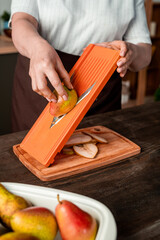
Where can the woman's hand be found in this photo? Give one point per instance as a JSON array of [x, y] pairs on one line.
[[46, 64], [127, 54], [44, 61], [132, 56]]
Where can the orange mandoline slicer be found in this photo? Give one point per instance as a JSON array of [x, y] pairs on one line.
[[95, 66]]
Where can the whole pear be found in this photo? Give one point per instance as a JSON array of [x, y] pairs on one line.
[[9, 204], [17, 236], [61, 106], [37, 221], [74, 223]]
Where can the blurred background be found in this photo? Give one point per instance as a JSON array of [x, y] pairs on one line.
[[137, 88], [5, 5]]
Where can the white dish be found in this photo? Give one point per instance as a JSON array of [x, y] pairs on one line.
[[47, 197]]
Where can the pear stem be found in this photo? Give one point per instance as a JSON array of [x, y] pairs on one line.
[[59, 199]]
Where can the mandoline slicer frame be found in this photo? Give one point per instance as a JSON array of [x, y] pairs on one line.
[[96, 65]]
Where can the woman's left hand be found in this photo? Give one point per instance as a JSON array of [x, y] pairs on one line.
[[128, 53]]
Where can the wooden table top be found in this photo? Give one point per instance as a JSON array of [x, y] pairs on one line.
[[130, 188], [6, 45]]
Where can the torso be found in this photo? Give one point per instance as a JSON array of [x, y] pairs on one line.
[[69, 23]]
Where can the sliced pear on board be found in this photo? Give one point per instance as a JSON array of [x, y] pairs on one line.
[[87, 150], [78, 138], [96, 137]]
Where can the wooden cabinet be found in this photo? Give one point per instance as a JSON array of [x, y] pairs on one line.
[[152, 72], [153, 77]]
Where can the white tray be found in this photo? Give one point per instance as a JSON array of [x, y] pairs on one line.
[[47, 197]]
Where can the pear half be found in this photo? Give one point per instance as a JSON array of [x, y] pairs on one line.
[[62, 107], [87, 150]]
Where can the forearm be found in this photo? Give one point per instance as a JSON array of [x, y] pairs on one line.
[[142, 56], [25, 35]]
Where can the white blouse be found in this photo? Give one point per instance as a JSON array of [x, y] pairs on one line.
[[70, 25]]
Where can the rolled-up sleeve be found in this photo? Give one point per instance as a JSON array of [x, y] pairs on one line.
[[138, 31], [27, 6]]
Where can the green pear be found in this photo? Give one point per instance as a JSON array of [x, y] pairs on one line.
[[61, 106], [9, 204], [37, 221], [74, 223], [17, 236]]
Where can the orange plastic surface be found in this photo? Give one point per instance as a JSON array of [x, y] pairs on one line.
[[96, 65]]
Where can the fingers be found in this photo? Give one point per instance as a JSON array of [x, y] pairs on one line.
[[115, 45], [123, 73], [41, 88], [122, 70], [56, 83], [122, 67], [39, 77], [124, 63], [39, 84], [63, 74], [105, 45], [123, 48], [44, 89], [126, 54]]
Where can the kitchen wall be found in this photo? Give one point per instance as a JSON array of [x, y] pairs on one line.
[[4, 6]]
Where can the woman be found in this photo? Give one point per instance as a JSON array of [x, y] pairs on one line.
[[51, 35]]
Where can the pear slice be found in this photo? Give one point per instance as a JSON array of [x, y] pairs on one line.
[[68, 151], [77, 139], [87, 150], [96, 137]]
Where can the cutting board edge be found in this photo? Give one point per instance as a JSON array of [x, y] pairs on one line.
[[134, 150]]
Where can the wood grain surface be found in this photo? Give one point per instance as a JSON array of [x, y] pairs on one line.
[[129, 188]]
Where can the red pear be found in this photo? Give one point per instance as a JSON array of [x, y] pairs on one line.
[[74, 223]]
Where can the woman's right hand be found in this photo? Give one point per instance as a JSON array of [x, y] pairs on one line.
[[45, 63]]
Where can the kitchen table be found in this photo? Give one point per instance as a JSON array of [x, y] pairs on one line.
[[129, 188]]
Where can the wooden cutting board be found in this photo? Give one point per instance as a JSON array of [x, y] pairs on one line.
[[117, 148]]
